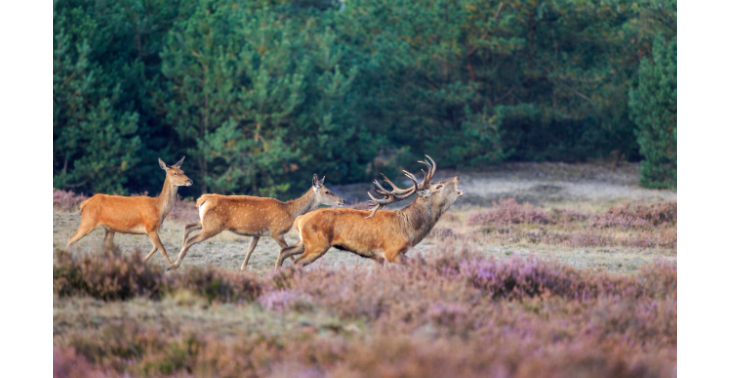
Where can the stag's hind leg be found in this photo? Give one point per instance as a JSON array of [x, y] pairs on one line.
[[287, 252], [87, 225], [311, 255]]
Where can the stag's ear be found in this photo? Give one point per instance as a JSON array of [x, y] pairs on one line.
[[179, 163], [315, 182], [162, 164]]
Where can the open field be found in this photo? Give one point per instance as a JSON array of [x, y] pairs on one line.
[[539, 270]]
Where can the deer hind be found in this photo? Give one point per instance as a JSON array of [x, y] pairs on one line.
[[252, 216], [377, 235], [132, 215]]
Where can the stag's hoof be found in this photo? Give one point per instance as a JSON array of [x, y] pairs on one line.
[[171, 267]]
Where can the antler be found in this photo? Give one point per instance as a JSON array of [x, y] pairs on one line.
[[398, 194], [427, 176]]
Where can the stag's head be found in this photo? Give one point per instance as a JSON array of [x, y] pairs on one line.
[[174, 174], [438, 195], [323, 195]]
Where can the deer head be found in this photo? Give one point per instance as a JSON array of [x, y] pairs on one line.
[[323, 195], [174, 174], [439, 195]]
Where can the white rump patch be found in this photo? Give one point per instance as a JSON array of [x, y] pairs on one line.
[[201, 211]]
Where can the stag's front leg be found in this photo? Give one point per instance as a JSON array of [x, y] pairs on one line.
[[396, 255]]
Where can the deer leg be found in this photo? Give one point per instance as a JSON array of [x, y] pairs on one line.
[[197, 238], [155, 238], [85, 228], [396, 255], [189, 228], [152, 252], [251, 247], [287, 252], [282, 245], [108, 238], [311, 255]]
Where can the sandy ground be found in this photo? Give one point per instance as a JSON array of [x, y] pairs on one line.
[[584, 186]]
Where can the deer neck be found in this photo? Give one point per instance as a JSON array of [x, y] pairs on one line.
[[418, 218], [303, 204], [166, 199]]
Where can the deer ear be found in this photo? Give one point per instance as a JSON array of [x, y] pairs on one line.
[[179, 163], [315, 181], [321, 182], [162, 164]]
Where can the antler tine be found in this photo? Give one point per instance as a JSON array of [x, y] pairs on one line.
[[413, 178], [375, 210], [379, 188], [397, 194], [427, 176], [433, 167], [396, 189]]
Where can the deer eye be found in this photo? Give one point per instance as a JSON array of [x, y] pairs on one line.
[[327, 192], [438, 186]]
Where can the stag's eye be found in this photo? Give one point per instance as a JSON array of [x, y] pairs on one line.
[[438, 186], [327, 192]]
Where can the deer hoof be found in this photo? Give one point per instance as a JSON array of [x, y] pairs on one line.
[[171, 267]]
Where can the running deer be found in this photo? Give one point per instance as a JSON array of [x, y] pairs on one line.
[[253, 216], [377, 235], [132, 215]]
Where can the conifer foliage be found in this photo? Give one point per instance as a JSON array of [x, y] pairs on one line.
[[260, 94]]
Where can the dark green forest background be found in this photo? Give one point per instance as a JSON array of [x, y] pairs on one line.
[[261, 94]]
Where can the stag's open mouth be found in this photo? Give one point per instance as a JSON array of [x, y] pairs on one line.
[[458, 192]]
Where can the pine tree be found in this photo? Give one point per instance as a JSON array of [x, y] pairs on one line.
[[94, 143], [654, 109]]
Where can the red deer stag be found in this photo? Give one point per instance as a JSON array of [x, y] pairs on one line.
[[253, 216], [381, 235], [132, 215]]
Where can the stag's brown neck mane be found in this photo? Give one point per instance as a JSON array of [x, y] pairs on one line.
[[418, 218], [302, 205], [166, 199]]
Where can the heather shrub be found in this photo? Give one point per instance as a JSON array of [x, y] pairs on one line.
[[508, 211], [216, 284], [110, 277], [281, 300], [442, 234], [519, 277], [67, 200], [443, 314], [67, 363], [638, 216], [105, 277], [642, 226]]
